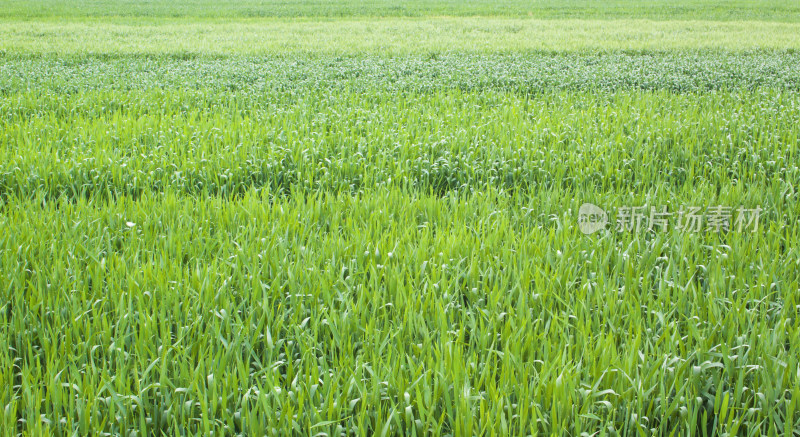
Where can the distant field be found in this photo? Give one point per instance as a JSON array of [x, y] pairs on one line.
[[333, 219], [770, 10], [393, 36]]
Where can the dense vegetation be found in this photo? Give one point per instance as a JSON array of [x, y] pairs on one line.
[[318, 243], [774, 10], [393, 36]]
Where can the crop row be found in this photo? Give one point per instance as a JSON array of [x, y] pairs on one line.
[[116, 143], [529, 74]]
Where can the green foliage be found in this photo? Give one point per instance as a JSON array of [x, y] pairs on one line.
[[314, 244], [94, 128], [386, 36], [198, 9]]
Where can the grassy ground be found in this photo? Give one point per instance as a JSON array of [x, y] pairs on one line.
[[392, 36], [369, 226], [770, 10]]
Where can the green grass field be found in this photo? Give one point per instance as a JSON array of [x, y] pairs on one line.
[[771, 10], [332, 219]]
